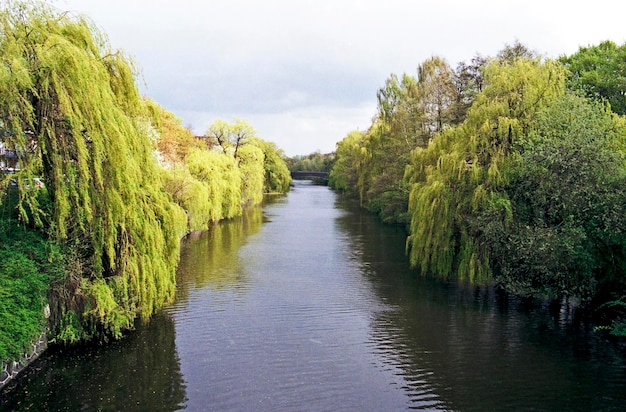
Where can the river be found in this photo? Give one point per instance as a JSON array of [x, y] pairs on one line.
[[309, 304]]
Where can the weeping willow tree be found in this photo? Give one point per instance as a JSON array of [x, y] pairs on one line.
[[464, 169], [221, 179], [71, 108], [251, 163]]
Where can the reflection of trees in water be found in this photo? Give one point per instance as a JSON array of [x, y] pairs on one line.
[[139, 373], [453, 344], [211, 258]]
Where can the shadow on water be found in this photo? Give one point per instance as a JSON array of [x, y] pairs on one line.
[[474, 348], [141, 372], [138, 373]]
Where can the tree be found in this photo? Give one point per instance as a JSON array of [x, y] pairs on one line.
[[567, 235], [277, 175], [70, 106], [469, 83], [512, 52], [174, 142], [437, 93], [599, 72], [464, 169], [221, 177], [251, 163], [345, 173], [230, 137]]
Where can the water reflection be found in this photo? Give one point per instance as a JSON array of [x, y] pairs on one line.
[[211, 258], [464, 348], [138, 373], [310, 305]]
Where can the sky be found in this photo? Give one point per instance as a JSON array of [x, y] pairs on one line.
[[304, 73]]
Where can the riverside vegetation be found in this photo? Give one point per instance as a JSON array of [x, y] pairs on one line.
[[508, 171], [124, 181]]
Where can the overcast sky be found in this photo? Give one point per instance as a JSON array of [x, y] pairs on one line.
[[304, 73]]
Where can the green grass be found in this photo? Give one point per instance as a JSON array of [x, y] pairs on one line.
[[27, 265]]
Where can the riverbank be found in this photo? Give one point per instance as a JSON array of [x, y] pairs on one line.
[[10, 369]]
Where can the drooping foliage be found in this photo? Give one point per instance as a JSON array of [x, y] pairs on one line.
[[251, 163], [277, 176], [71, 108], [464, 169], [221, 177], [515, 178], [192, 195], [346, 173], [212, 182], [411, 110], [567, 236]]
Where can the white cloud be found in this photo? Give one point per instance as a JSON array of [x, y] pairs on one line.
[[304, 69]]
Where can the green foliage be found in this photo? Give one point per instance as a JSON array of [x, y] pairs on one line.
[[314, 162], [251, 162], [191, 195], [600, 73], [71, 106], [223, 181], [411, 110], [70, 329], [211, 185], [509, 179], [27, 265], [464, 169], [22, 300], [277, 176], [345, 174], [230, 137], [568, 234]]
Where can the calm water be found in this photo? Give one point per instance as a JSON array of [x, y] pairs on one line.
[[309, 304]]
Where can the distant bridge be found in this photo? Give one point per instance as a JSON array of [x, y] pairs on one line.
[[317, 177], [304, 175]]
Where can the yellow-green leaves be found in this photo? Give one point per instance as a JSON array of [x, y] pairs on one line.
[[457, 175], [71, 108]]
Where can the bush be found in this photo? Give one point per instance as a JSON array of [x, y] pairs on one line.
[[27, 265]]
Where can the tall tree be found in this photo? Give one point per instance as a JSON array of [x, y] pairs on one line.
[[230, 137], [437, 93], [70, 106], [600, 73], [464, 169], [567, 235], [174, 142], [277, 176], [469, 83]]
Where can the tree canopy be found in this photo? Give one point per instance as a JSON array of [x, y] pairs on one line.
[[463, 169], [71, 108], [599, 72], [508, 171]]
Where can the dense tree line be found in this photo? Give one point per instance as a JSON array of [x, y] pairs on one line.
[[100, 242], [314, 162], [508, 170]]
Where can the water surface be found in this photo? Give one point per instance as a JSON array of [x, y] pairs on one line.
[[309, 304]]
